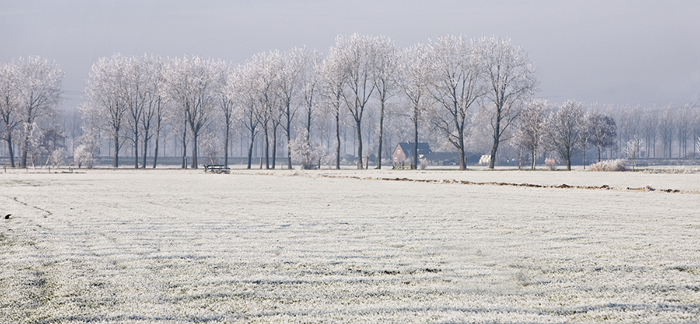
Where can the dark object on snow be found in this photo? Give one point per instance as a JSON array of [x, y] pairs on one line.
[[217, 169], [8, 216]]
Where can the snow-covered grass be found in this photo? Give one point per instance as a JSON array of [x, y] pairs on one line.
[[320, 246]]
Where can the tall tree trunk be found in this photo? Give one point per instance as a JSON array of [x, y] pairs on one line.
[[250, 148], [289, 141], [25, 147], [381, 135], [274, 146], [496, 138], [155, 149], [194, 150], [308, 125], [145, 148], [226, 145], [337, 138], [359, 144], [9, 146], [115, 158], [267, 149], [136, 148], [184, 147], [534, 156], [415, 143], [460, 149]]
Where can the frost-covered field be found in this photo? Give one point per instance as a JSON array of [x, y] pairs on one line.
[[184, 246]]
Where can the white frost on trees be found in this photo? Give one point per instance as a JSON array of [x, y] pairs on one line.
[[510, 78], [355, 57], [30, 90], [564, 129], [414, 83], [386, 69], [455, 84], [105, 99], [190, 85], [531, 127]]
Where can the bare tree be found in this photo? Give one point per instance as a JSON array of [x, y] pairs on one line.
[[9, 106], [695, 115], [241, 89], [290, 74], [455, 85], [190, 85], [632, 148], [39, 90], [510, 77], [104, 93], [650, 126], [152, 112], [135, 95], [603, 131], [356, 58], [631, 124], [310, 83], [224, 100], [266, 101], [414, 83], [159, 123], [333, 81], [683, 130], [667, 130], [532, 127], [586, 134], [92, 123], [564, 129], [385, 83]]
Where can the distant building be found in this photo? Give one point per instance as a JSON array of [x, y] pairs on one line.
[[442, 158], [404, 152]]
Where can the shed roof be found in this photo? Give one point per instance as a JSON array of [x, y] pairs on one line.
[[407, 148]]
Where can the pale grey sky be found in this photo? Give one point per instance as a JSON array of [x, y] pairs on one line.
[[605, 51]]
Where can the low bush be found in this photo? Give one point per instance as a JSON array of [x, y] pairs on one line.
[[551, 164], [610, 165], [423, 164]]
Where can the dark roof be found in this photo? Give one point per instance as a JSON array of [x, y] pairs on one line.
[[442, 156], [407, 148]]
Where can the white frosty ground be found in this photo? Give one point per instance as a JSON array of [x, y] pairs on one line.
[[184, 246]]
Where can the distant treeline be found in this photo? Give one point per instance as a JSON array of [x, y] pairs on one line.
[[365, 95]]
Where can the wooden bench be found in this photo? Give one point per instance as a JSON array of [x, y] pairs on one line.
[[215, 168]]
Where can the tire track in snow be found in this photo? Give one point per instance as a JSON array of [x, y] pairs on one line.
[[47, 213], [487, 183]]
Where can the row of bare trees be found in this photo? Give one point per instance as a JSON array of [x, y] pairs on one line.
[[663, 132], [625, 132], [448, 91], [569, 129], [30, 90], [436, 85]]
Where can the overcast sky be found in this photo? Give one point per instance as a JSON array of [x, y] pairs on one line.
[[610, 52]]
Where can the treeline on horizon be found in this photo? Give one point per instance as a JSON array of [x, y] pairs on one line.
[[461, 95]]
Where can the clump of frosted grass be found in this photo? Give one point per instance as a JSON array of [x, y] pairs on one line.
[[610, 165], [423, 164], [551, 164]]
